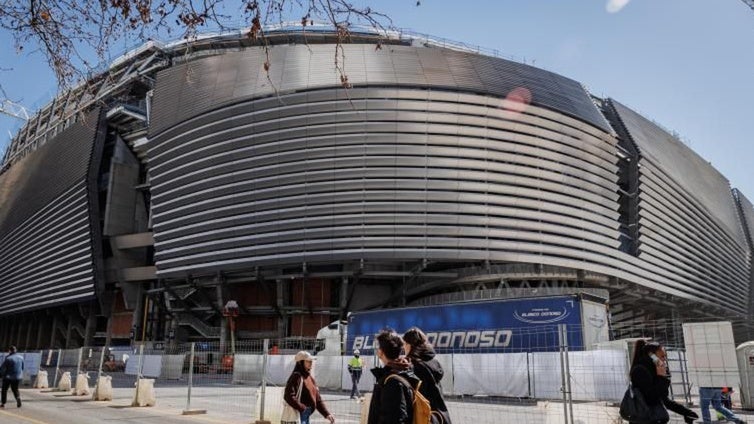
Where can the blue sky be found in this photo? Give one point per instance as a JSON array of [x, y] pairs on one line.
[[686, 64]]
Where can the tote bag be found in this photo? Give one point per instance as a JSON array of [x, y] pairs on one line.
[[634, 409], [290, 414]]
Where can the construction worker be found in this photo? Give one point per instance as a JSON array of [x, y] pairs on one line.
[[354, 367]]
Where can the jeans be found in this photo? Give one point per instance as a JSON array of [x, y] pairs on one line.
[[714, 395], [355, 377], [13, 384], [306, 415]]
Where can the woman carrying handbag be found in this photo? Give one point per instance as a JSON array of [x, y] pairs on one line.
[[649, 377], [301, 393]]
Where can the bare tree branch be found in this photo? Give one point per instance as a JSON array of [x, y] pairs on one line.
[[75, 36]]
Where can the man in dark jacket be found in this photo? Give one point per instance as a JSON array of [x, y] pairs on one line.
[[12, 371], [392, 399]]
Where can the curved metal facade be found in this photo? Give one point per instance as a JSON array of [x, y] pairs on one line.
[[406, 172], [427, 156], [690, 229], [46, 222], [421, 160]]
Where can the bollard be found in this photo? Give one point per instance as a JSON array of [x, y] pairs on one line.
[[82, 385], [188, 410], [42, 382], [145, 387]]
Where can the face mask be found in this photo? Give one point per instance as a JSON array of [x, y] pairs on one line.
[[355, 356]]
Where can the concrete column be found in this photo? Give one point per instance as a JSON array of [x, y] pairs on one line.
[[16, 330], [91, 323], [54, 331], [343, 296], [29, 324], [68, 332], [223, 320], [280, 302], [40, 331], [138, 313]]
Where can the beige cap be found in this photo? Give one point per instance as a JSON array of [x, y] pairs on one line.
[[304, 356]]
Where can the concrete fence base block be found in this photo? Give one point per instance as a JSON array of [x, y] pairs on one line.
[[145, 395], [194, 411], [262, 422]]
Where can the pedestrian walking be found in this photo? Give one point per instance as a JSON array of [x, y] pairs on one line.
[[422, 356], [714, 396], [301, 391], [392, 399], [355, 366], [12, 371], [649, 377]]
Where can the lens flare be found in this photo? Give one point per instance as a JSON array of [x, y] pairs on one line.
[[517, 100]]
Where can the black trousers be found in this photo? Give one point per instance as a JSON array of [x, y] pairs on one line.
[[13, 384]]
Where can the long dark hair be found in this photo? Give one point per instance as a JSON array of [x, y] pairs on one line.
[[642, 349], [418, 341]]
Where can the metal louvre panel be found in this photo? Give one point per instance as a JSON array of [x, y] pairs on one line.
[[301, 68], [536, 223], [694, 176], [243, 183], [244, 119], [687, 230], [747, 209], [46, 253], [688, 221], [679, 242]]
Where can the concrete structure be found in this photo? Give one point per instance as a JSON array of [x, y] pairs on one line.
[[138, 204]]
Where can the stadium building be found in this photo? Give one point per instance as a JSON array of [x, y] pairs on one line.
[[137, 205]]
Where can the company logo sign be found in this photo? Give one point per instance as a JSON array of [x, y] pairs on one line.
[[541, 315]]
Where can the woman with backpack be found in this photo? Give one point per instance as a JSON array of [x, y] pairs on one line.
[[428, 369]]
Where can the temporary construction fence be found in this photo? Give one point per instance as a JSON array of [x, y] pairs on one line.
[[547, 381]]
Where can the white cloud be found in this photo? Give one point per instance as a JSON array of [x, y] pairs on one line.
[[614, 6]]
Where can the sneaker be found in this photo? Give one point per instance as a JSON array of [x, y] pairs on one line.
[[18, 403]]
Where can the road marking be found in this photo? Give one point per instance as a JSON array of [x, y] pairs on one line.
[[203, 418], [23, 418]]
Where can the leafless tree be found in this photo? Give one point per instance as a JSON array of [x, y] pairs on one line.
[[75, 36]]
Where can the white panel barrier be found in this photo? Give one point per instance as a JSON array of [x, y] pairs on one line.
[[279, 368], [247, 369], [491, 374], [69, 358], [32, 362], [151, 366], [329, 371], [273, 404], [172, 366], [546, 381], [598, 375], [446, 361]]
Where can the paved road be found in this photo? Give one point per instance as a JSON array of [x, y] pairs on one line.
[[236, 405]]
